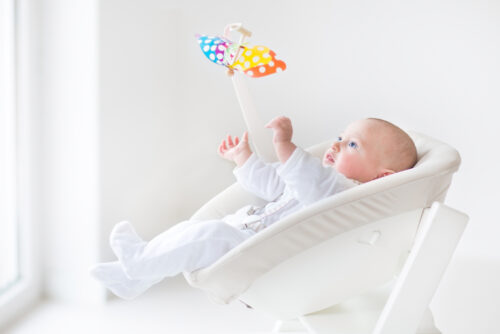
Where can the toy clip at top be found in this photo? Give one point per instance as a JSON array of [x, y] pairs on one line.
[[257, 61]]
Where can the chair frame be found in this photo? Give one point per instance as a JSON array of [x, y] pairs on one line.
[[439, 232]]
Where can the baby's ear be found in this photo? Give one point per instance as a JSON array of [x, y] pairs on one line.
[[385, 172]]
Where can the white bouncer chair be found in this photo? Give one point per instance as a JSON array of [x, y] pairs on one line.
[[364, 261]]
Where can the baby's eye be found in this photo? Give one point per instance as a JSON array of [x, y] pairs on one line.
[[352, 144], [339, 138]]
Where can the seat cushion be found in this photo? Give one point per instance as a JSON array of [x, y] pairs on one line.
[[389, 196]]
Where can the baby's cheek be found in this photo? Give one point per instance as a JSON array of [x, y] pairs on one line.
[[343, 167], [365, 171], [353, 168]]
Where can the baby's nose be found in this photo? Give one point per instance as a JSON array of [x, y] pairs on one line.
[[336, 146]]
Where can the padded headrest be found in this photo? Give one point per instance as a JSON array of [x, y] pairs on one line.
[[435, 159], [434, 154]]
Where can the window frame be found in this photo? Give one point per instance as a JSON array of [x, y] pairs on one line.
[[8, 148], [25, 291]]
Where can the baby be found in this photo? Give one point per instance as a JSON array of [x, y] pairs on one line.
[[368, 149]]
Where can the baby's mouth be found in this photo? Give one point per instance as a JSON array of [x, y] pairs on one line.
[[329, 158]]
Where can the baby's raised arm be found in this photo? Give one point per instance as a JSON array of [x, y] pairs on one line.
[[253, 174], [282, 138], [235, 150]]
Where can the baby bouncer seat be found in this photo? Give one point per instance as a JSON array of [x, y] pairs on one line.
[[364, 261]]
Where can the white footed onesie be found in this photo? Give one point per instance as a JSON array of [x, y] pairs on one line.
[[194, 244]]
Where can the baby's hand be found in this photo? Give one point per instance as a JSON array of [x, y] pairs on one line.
[[237, 151], [282, 139], [282, 128]]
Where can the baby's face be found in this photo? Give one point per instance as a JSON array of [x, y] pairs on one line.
[[358, 152]]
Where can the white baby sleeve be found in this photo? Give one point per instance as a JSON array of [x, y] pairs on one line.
[[259, 178], [309, 180]]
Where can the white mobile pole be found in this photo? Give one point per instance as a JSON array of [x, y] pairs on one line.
[[259, 136]]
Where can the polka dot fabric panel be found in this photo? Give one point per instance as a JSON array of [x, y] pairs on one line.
[[257, 61]]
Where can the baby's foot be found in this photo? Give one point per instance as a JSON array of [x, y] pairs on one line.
[[128, 247], [112, 276], [124, 241]]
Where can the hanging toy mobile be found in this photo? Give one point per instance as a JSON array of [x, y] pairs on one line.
[[256, 61]]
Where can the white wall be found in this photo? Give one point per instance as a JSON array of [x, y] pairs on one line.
[[428, 66], [161, 108]]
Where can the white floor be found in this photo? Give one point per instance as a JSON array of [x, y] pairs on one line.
[[467, 302], [171, 307]]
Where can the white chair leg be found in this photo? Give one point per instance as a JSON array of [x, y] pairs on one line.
[[439, 232]]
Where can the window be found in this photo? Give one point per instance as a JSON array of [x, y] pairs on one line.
[[9, 264], [19, 274]]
